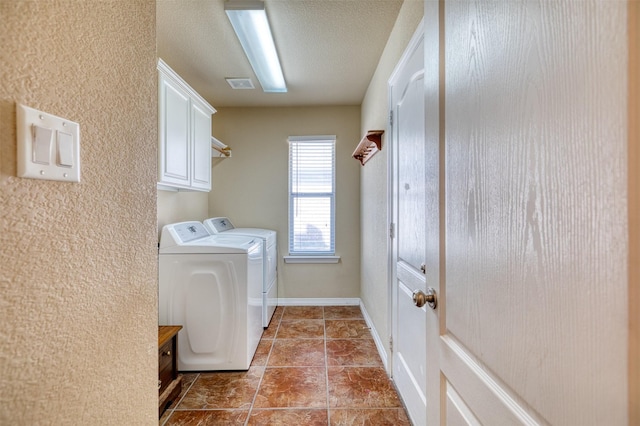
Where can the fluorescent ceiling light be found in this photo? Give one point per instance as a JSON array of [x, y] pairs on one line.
[[249, 20]]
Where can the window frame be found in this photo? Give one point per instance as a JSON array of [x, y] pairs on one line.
[[312, 256]]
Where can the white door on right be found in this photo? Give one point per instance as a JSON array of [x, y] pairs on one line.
[[532, 321]]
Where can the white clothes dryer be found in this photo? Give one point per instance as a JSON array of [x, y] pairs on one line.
[[211, 285], [222, 225]]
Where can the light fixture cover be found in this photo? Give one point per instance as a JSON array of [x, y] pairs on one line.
[[249, 21]]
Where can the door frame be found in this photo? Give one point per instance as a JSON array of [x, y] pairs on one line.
[[391, 216]]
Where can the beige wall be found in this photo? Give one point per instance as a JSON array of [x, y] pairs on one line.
[[180, 206], [251, 188], [78, 260], [374, 199]]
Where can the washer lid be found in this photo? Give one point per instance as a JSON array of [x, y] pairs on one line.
[[192, 237], [266, 234], [220, 225]]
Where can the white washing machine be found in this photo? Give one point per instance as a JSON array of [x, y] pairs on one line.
[[222, 225], [211, 285]]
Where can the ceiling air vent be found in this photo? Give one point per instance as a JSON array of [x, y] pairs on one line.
[[240, 83]]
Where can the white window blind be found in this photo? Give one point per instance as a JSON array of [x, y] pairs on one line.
[[312, 195]]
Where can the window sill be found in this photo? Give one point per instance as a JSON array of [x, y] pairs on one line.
[[311, 259]]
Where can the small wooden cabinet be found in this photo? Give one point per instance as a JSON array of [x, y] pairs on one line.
[[169, 381]]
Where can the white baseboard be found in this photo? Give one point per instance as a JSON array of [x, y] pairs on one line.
[[355, 301], [376, 338]]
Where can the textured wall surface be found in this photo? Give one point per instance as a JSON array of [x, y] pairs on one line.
[[375, 291], [633, 180], [78, 278], [251, 188]]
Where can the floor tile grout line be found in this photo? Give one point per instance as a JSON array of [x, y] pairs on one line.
[[180, 400], [326, 363], [223, 409], [266, 363], [292, 408]]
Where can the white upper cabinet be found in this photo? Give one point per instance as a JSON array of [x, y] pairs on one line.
[[184, 131], [201, 159]]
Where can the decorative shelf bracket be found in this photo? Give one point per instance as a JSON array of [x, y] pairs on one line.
[[370, 144]]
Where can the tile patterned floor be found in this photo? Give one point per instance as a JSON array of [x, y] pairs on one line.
[[314, 366]]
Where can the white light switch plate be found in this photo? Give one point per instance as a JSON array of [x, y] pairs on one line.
[[63, 146]]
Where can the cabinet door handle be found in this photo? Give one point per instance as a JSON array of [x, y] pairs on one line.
[[167, 353]]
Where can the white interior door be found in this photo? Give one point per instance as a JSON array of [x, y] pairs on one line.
[[531, 325], [408, 252]]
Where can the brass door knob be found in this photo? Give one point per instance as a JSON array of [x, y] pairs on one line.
[[430, 298]]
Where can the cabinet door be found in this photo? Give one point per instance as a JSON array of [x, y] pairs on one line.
[[174, 155], [201, 134]]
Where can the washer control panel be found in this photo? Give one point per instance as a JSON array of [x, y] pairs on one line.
[[189, 231], [219, 224]]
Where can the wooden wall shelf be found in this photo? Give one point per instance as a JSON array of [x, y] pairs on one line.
[[370, 144]]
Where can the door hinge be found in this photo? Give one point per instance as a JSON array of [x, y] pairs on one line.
[[390, 343], [391, 118], [392, 230]]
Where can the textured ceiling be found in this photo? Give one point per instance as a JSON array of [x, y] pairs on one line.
[[329, 49]]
